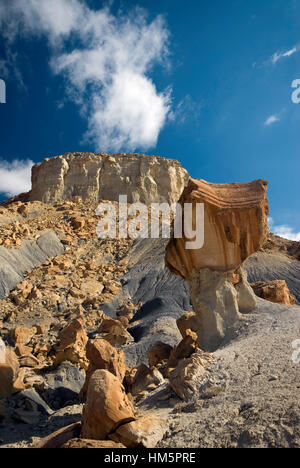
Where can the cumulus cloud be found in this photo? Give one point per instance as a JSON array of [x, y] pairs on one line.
[[108, 72], [15, 176], [284, 231], [271, 120]]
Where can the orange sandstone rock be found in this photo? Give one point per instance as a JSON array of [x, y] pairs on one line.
[[275, 291], [235, 226], [107, 406]]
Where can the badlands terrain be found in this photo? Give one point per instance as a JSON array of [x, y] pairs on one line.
[[109, 343]]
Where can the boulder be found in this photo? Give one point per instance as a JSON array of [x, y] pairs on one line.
[[29, 407], [72, 344], [188, 321], [145, 432], [102, 355], [92, 288], [183, 350], [22, 335], [114, 332], [62, 385], [107, 406], [187, 377], [9, 368], [159, 353], [144, 378], [275, 291]]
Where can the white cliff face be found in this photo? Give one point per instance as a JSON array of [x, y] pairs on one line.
[[146, 179]]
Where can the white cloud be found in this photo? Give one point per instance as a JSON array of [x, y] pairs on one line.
[[287, 232], [272, 119], [187, 110], [280, 55], [284, 231], [15, 176], [107, 74]]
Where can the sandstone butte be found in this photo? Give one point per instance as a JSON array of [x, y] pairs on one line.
[[93, 177], [235, 226]]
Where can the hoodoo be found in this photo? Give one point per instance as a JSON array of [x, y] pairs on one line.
[[235, 226]]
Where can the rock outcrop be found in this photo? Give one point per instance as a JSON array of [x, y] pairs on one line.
[[101, 176], [235, 226], [14, 263], [274, 291]]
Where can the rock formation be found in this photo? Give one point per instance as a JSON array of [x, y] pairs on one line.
[[146, 378], [189, 374], [73, 340], [101, 176], [274, 291], [235, 226], [14, 263], [146, 431], [107, 406], [102, 355], [9, 367], [159, 353]]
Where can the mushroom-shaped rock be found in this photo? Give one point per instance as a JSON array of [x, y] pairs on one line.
[[233, 227], [107, 406]]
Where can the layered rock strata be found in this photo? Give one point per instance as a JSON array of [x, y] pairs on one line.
[[145, 179]]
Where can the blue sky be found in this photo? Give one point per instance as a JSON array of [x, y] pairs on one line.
[[207, 83]]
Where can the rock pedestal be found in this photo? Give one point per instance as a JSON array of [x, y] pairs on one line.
[[235, 226]]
